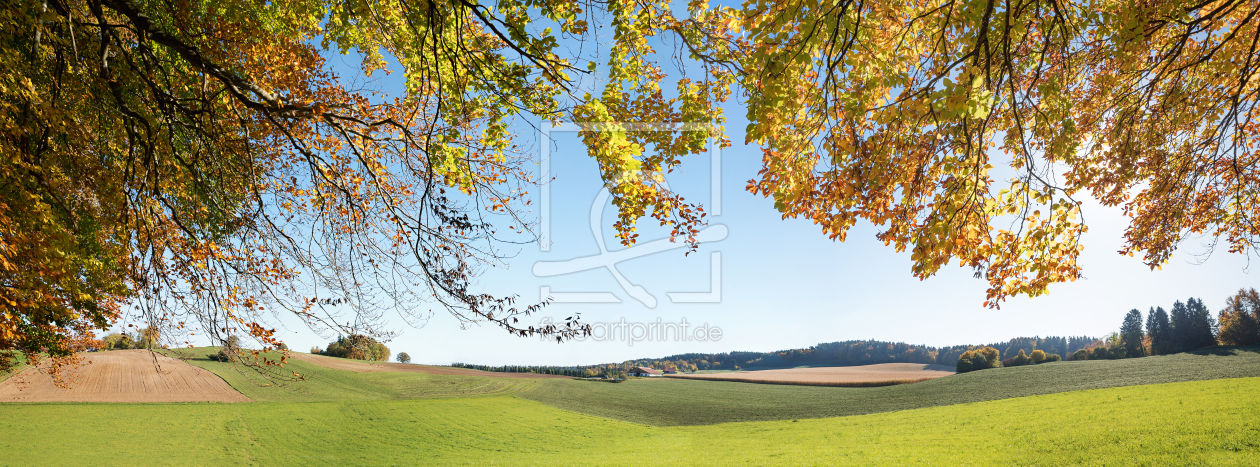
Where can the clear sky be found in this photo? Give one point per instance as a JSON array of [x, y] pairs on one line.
[[782, 283]]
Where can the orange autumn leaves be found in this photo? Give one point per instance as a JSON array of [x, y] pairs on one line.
[[971, 130], [200, 164]]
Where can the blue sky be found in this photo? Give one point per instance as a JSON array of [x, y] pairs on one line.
[[783, 283]]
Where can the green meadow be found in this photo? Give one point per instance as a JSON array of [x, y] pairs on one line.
[[328, 385], [1209, 415], [1207, 422], [664, 401]]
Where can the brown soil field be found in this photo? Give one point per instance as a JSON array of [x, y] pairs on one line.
[[122, 376], [358, 366], [883, 374]]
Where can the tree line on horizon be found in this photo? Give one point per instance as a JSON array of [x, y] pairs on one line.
[[846, 353], [1188, 326], [1185, 327]]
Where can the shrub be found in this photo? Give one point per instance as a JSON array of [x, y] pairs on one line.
[[1022, 359], [317, 351], [978, 359], [1054, 357], [1082, 354], [1038, 356], [358, 347], [992, 355], [1100, 353], [227, 353], [403, 357]]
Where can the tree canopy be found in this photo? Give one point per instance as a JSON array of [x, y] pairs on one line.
[[202, 161], [360, 347]]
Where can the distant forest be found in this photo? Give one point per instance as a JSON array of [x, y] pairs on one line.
[[847, 353], [1189, 326]]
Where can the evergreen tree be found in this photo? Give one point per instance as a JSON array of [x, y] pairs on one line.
[[1160, 331], [1131, 335], [1179, 320], [1202, 332], [1077, 343], [1056, 345], [1019, 344]]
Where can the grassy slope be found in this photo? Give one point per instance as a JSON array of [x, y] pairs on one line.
[[328, 385], [1213, 422], [666, 402]]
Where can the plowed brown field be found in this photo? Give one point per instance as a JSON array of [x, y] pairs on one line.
[[866, 375], [362, 367], [122, 376]]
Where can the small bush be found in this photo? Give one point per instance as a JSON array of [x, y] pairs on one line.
[[978, 359], [1038, 356], [1101, 353], [1022, 359], [227, 353], [1079, 355]]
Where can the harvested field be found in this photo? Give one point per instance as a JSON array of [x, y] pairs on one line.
[[122, 376], [358, 366], [883, 374]]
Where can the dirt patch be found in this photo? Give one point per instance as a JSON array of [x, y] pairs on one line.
[[883, 374], [358, 366], [122, 376]]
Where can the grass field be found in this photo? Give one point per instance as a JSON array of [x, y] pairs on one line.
[[1207, 422], [341, 417], [670, 402], [329, 385], [667, 401]]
